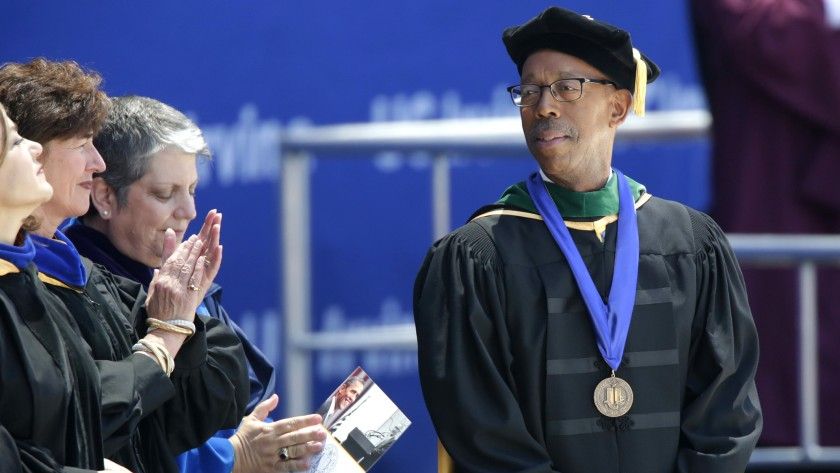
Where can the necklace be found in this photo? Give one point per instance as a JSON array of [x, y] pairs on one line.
[[613, 396]]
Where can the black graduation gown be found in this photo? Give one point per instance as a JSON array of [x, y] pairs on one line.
[[49, 387], [508, 358], [148, 418]]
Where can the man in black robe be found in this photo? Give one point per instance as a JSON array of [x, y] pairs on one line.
[[632, 347]]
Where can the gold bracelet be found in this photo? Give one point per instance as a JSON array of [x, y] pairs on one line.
[[158, 352], [166, 326]]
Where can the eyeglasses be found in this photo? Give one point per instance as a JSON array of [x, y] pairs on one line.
[[563, 90]]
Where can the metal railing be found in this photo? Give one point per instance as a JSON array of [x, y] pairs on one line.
[[804, 252], [503, 137]]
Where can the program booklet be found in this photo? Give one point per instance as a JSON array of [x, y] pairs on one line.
[[362, 423]]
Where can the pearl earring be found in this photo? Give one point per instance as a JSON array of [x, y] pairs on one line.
[[105, 213]]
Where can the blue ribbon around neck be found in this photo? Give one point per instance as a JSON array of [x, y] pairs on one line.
[[611, 321]]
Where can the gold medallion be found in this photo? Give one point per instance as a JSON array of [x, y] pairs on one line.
[[613, 396]]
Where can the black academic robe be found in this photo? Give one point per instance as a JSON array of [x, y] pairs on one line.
[[49, 386], [95, 246], [508, 357], [148, 418]]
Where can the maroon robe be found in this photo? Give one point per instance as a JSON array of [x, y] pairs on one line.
[[772, 75]]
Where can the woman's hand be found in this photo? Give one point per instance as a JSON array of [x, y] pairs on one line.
[[174, 291], [257, 444], [211, 252], [210, 234]]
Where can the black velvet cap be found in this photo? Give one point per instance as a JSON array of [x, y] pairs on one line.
[[604, 46]]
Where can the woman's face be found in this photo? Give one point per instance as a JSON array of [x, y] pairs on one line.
[[163, 198], [69, 165], [22, 180]]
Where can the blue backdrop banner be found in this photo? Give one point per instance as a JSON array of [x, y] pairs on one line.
[[247, 70]]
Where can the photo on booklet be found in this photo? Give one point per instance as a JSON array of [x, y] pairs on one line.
[[362, 422]]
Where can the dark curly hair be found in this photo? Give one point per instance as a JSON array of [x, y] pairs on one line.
[[50, 100]]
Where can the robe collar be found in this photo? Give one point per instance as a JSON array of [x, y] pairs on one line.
[[98, 248], [571, 204], [58, 258], [14, 258]]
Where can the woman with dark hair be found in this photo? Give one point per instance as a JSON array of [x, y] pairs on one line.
[[49, 389], [170, 379]]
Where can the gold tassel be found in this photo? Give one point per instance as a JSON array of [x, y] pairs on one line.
[[445, 463], [641, 84]]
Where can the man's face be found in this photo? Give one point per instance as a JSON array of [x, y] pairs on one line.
[[347, 395], [571, 141]]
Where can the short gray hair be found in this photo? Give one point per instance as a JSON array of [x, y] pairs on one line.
[[136, 128]]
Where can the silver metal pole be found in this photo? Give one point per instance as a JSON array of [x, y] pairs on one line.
[[389, 337], [808, 360], [440, 195], [297, 289]]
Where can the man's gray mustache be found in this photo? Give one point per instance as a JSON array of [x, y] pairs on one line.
[[555, 126]]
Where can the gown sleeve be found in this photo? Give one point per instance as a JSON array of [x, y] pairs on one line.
[[211, 383], [217, 455], [721, 415], [23, 457], [465, 367], [207, 391], [132, 386], [261, 372]]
